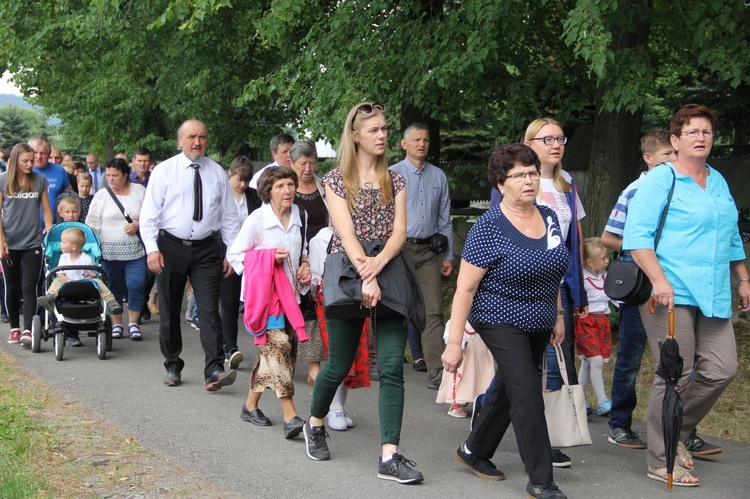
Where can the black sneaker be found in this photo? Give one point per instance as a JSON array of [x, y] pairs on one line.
[[477, 407], [75, 341], [399, 469], [317, 448], [420, 365], [483, 468], [699, 447], [625, 438], [560, 460], [544, 491]]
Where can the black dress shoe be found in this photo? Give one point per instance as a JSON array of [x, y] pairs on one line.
[[145, 314], [293, 427], [420, 365], [173, 378], [433, 383], [219, 379], [257, 417]]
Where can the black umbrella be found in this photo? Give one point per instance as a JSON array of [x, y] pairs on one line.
[[670, 370]]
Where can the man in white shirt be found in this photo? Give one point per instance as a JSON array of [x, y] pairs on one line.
[[281, 145], [187, 214], [92, 163]]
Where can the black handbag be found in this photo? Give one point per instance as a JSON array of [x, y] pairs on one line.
[[339, 305], [438, 243], [626, 282]]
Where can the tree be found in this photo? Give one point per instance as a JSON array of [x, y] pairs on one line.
[[250, 68], [123, 74], [18, 125]]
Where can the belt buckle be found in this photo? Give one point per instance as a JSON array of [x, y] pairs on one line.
[[187, 243]]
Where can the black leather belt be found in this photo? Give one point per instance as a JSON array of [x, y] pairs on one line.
[[415, 240], [187, 242]]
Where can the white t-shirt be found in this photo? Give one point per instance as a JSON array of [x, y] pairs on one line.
[[78, 274], [555, 199]]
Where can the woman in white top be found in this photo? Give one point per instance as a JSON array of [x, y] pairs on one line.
[[123, 256], [277, 224]]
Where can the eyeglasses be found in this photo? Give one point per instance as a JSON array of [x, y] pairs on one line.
[[694, 133], [549, 140], [519, 177], [368, 110]]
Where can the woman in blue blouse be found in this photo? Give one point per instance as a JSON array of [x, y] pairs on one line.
[[700, 244], [509, 290]]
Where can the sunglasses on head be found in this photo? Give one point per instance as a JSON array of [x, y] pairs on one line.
[[368, 110]]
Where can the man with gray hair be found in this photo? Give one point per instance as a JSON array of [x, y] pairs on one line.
[[281, 144], [187, 213], [429, 243]]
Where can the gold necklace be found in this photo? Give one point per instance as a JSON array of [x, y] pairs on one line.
[[528, 226]]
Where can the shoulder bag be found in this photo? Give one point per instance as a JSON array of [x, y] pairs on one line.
[[565, 409], [626, 282]]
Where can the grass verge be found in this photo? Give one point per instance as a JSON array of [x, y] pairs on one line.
[[50, 447]]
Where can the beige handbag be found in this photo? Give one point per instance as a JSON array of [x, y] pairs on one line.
[[565, 409]]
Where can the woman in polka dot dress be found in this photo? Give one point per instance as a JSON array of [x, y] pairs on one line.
[[509, 290]]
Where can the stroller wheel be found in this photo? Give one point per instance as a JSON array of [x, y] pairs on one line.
[[36, 334], [101, 344], [108, 329], [59, 345]]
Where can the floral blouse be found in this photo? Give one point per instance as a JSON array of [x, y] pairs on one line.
[[372, 221]]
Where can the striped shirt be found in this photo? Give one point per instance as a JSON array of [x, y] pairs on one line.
[[616, 221]]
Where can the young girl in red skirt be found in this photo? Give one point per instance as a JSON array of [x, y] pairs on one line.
[[593, 336]]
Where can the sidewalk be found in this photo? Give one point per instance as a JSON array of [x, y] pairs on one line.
[[203, 432]]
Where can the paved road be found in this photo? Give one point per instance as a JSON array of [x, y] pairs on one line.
[[203, 432]]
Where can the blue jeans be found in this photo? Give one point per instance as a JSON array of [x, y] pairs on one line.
[[415, 342], [554, 382], [127, 276], [629, 354]]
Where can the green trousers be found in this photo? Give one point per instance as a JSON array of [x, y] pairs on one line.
[[343, 339]]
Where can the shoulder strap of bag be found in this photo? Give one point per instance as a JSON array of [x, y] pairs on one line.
[[560, 365], [119, 204], [664, 211]]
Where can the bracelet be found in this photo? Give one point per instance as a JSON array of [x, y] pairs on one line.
[[744, 280], [308, 263]]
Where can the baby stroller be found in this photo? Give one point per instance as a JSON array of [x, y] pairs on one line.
[[78, 306]]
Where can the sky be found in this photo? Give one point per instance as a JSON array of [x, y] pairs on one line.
[[7, 87]]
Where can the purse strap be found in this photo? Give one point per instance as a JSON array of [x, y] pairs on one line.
[[664, 211], [119, 204], [560, 364]]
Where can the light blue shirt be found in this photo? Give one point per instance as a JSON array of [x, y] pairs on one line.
[[699, 239], [428, 203]]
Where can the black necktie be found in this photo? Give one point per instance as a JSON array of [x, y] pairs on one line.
[[197, 194]]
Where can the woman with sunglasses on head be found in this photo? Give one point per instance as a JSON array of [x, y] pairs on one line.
[[22, 193], [699, 247], [557, 190], [367, 202]]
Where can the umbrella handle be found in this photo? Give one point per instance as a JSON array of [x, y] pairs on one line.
[[652, 309]]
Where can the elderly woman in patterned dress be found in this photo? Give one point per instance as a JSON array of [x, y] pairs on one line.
[[277, 224]]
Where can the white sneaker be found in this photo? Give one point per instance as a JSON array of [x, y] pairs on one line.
[[337, 421], [349, 422]]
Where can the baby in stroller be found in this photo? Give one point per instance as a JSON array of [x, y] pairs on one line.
[[75, 300], [72, 241]]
